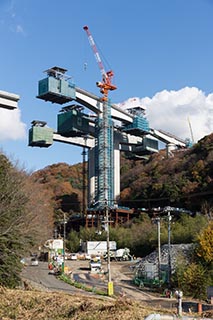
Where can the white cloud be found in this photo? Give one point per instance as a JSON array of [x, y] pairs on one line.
[[11, 126], [19, 29], [174, 111], [10, 18]]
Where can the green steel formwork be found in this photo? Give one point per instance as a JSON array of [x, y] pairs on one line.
[[148, 145], [139, 125], [56, 90], [72, 123], [40, 137]]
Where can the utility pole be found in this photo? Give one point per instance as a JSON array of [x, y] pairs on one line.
[[159, 249], [110, 283], [169, 248], [64, 227], [64, 240]]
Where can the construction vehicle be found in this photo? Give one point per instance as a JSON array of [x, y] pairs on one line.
[[122, 254]]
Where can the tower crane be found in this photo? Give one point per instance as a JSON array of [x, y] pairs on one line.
[[107, 77], [104, 153]]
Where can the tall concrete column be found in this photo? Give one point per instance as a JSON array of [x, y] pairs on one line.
[[116, 170], [91, 173], [91, 176]]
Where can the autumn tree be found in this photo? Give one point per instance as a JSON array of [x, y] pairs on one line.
[[186, 228], [205, 244], [23, 222], [65, 183], [12, 207], [73, 241], [192, 279], [39, 216]]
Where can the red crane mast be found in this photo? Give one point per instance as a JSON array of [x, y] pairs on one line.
[[106, 83]]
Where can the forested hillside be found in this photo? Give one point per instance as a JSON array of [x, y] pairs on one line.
[[184, 180], [65, 184]]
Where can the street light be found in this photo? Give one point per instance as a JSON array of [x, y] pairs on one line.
[[65, 221], [157, 220]]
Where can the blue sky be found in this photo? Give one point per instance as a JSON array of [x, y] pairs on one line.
[[160, 50]]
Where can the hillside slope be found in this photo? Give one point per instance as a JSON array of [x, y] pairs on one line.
[[19, 304], [184, 180]]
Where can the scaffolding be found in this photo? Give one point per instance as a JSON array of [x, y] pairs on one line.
[[104, 159]]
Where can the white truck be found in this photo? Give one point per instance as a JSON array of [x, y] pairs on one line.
[[98, 248]]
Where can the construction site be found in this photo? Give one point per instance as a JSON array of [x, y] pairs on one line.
[[103, 130]]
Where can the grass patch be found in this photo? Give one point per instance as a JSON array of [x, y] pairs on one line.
[[81, 285]]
